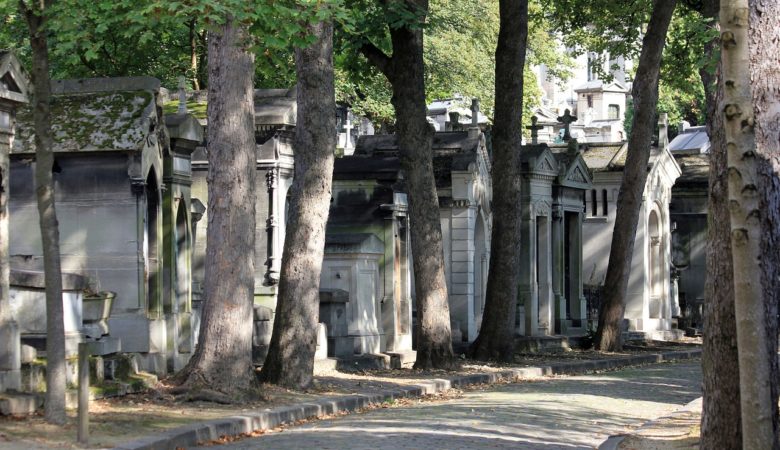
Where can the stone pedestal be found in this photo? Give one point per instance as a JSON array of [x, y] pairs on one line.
[[10, 363]]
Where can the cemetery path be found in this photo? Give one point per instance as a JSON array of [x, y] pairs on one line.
[[576, 412]]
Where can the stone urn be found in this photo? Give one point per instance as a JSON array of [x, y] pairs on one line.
[[96, 308]]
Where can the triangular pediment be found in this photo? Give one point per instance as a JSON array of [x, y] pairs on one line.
[[545, 163], [577, 174], [14, 86]]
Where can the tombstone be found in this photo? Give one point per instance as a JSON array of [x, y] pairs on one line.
[[13, 94], [119, 164], [537, 170]]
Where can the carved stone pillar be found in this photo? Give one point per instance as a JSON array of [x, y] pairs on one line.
[[272, 229]]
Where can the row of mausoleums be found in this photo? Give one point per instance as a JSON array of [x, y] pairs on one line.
[[132, 199]]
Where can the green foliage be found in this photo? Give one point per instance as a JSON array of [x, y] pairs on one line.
[[460, 42]]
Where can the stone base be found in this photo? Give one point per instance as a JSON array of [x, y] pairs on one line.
[[348, 346], [402, 360], [10, 380], [18, 404], [536, 344], [104, 346]]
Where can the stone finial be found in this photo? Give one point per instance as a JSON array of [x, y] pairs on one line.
[[534, 130], [663, 131], [182, 97], [566, 119], [475, 112]]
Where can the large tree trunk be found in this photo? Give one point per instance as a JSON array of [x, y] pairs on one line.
[[405, 71], [764, 56], [223, 357], [743, 68], [290, 360], [720, 421], [50, 236], [629, 204], [496, 336]]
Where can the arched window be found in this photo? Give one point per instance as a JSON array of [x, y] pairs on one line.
[[604, 203], [594, 206]]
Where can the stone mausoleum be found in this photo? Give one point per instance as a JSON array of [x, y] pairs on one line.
[[122, 177]]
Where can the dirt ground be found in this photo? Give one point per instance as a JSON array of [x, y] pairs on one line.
[[117, 420]]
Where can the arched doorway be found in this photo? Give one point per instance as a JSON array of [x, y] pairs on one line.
[[152, 245]]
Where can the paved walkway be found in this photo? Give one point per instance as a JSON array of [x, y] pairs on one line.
[[570, 413]]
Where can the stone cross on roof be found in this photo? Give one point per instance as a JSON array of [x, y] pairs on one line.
[[566, 119], [475, 112], [663, 131], [182, 97], [534, 130]]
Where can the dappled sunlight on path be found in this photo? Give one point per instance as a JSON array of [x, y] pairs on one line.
[[567, 413]]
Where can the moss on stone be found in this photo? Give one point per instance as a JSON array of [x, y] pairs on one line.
[[93, 121], [197, 109]]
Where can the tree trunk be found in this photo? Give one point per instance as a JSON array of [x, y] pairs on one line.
[[764, 56], [496, 336], [739, 76], [632, 187], [720, 421], [54, 408], [405, 71], [194, 53], [290, 360], [223, 357], [415, 135]]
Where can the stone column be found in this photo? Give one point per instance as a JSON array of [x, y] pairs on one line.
[[390, 279], [529, 312], [274, 260], [10, 364]]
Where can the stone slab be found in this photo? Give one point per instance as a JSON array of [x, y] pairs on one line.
[[104, 346], [190, 435]]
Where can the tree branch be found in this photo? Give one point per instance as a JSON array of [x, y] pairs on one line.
[[377, 58]]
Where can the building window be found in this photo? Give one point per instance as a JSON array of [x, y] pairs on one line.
[[604, 204], [594, 207], [590, 101], [614, 112]]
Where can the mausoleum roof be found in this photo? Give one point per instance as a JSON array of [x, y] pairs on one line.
[[117, 114], [695, 168]]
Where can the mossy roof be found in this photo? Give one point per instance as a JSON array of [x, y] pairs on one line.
[[94, 121]]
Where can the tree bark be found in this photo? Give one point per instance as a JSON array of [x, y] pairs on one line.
[[223, 358], [720, 421], [496, 336], [632, 187], [406, 72], [290, 360], [765, 75], [54, 408], [742, 92]]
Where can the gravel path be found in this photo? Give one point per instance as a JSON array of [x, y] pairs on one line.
[[568, 413]]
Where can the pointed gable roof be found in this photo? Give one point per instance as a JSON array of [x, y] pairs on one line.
[[575, 173], [538, 160], [14, 85]]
